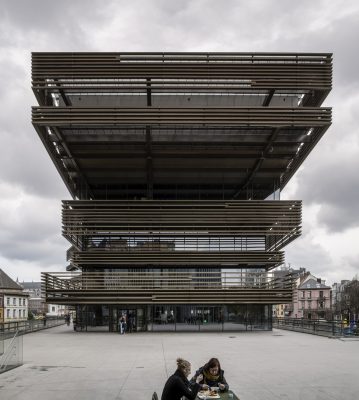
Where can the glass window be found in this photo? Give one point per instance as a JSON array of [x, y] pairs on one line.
[[14, 313], [8, 313], [309, 294], [14, 301], [8, 301], [303, 294]]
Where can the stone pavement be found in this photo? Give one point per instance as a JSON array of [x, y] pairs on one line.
[[62, 364]]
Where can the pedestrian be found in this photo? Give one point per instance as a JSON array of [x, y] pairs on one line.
[[74, 321], [122, 325]]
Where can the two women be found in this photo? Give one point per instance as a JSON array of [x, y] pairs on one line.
[[210, 375]]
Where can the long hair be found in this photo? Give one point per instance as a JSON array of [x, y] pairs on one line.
[[213, 362]]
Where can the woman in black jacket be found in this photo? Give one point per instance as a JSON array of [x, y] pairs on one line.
[[212, 376], [177, 385]]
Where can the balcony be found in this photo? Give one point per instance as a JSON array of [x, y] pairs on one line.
[[177, 287]]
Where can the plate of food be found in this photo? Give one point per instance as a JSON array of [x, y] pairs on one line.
[[208, 394]]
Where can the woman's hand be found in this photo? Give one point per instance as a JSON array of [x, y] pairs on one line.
[[205, 387], [199, 378], [221, 386]]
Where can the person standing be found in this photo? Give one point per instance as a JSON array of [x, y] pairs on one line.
[[122, 325], [177, 385]]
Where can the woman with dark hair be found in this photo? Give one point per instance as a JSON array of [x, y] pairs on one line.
[[177, 385], [212, 376]]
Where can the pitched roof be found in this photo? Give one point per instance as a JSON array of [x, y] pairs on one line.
[[313, 284], [7, 283]]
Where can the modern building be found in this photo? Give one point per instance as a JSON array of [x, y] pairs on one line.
[[175, 163], [13, 300]]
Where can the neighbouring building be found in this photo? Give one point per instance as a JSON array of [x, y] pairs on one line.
[[56, 310], [312, 298], [175, 163], [13, 300], [338, 306], [37, 305]]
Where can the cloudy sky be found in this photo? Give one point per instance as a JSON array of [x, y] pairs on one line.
[[328, 183]]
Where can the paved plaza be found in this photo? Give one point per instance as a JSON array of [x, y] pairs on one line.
[[62, 364]]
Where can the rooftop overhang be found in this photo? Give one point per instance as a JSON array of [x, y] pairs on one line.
[[68, 75]]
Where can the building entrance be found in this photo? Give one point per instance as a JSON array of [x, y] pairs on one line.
[[133, 319]]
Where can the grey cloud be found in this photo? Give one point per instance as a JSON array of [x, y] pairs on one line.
[[27, 164], [51, 25], [32, 234], [331, 179], [41, 251], [304, 253]]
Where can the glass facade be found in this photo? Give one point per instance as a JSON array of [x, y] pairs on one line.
[[174, 318]]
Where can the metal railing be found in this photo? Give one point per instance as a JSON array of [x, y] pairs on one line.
[[8, 328], [317, 326], [11, 352]]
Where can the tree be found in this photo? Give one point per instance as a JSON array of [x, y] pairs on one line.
[[350, 300]]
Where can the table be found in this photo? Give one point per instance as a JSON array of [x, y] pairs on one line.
[[225, 396]]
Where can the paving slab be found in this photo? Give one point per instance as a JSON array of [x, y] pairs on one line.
[[62, 364]]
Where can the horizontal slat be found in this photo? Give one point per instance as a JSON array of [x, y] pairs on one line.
[[257, 69], [165, 225], [209, 116], [166, 288], [177, 258]]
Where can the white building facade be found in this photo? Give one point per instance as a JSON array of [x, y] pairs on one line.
[[15, 307]]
